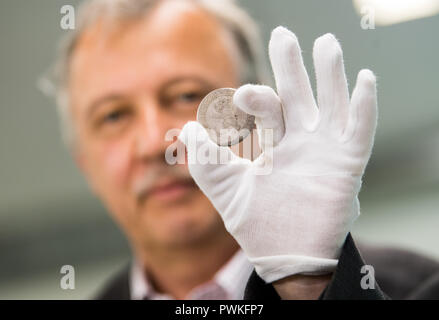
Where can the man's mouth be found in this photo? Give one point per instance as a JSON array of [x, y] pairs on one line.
[[169, 191]]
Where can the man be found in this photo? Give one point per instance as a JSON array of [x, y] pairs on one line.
[[133, 70]]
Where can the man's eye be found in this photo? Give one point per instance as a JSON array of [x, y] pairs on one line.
[[114, 116], [190, 97]]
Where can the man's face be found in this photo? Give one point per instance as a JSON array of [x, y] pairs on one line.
[[128, 88]]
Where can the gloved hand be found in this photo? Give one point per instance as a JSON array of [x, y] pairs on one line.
[[295, 219]]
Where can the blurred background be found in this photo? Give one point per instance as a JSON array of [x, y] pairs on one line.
[[48, 217]]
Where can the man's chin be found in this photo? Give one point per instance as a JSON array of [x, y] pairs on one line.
[[178, 230], [190, 220]]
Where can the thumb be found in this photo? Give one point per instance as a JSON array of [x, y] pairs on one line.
[[216, 170]]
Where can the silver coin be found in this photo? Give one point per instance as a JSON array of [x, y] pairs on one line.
[[226, 124]]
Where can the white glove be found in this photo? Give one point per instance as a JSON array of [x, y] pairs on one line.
[[295, 219]]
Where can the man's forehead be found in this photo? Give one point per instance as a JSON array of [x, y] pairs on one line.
[[176, 32], [173, 19], [177, 25]]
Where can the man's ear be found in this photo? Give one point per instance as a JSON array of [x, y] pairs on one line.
[[80, 162], [78, 157]]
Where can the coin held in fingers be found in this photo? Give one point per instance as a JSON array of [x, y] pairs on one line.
[[226, 124]]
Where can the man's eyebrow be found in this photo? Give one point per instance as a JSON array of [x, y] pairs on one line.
[[117, 97], [100, 101], [206, 83]]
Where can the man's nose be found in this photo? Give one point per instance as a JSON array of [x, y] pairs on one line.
[[150, 136]]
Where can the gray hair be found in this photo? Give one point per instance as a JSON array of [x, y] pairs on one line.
[[235, 20]]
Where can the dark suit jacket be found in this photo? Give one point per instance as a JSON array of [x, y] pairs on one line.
[[399, 274]]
